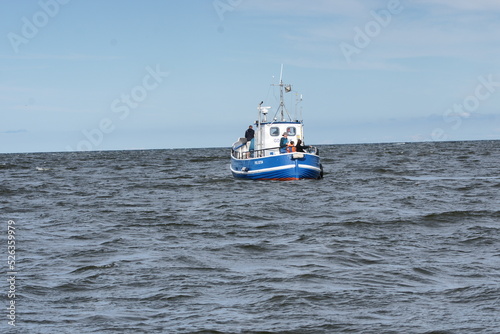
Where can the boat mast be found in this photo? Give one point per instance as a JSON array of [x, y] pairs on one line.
[[260, 142], [282, 108], [282, 105]]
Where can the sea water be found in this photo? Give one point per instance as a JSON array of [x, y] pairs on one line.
[[397, 238]]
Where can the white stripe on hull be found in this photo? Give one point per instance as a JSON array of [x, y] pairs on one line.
[[263, 170]]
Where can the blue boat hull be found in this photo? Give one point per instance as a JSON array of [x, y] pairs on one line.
[[288, 166]]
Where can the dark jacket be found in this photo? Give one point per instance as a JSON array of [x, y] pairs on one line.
[[301, 148], [283, 142], [249, 134]]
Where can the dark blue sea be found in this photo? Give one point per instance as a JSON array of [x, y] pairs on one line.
[[397, 238]]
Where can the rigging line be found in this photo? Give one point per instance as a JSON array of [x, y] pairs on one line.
[[276, 99], [268, 92]]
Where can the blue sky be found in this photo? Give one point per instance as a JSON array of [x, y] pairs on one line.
[[101, 75]]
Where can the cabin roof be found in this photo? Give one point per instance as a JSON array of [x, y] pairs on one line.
[[280, 122]]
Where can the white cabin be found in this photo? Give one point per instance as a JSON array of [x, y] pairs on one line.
[[268, 135]]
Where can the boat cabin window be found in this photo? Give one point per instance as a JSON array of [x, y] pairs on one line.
[[291, 131], [275, 131]]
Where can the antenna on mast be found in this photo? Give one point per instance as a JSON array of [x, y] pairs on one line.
[[281, 107], [281, 75]]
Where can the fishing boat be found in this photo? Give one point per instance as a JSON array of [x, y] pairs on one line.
[[265, 157]]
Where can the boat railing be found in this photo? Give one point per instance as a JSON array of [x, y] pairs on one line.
[[249, 154], [239, 154]]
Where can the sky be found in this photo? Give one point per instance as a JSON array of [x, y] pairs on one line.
[[80, 75]]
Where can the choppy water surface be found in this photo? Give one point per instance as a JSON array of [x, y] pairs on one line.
[[397, 238]]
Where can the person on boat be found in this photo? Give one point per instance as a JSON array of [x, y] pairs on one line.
[[299, 147], [291, 147], [283, 142], [249, 135]]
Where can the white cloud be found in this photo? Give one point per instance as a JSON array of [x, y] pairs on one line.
[[478, 5], [69, 57], [309, 8], [428, 28]]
